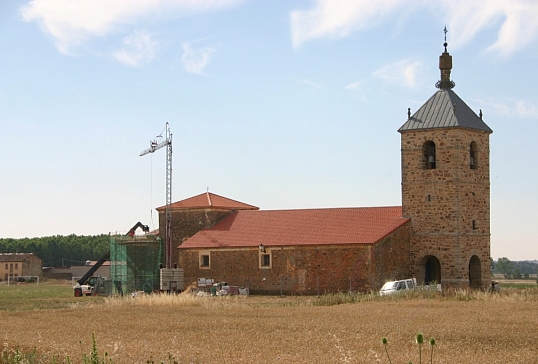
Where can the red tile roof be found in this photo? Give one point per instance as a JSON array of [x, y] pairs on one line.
[[209, 200], [363, 225], [14, 257]]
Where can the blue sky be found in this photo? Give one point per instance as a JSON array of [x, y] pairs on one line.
[[279, 104]]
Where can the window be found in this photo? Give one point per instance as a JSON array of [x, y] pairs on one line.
[[265, 260], [16, 266], [474, 225], [473, 158], [428, 150], [205, 261], [6, 266]]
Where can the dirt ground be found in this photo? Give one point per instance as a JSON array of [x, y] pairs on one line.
[[283, 330]]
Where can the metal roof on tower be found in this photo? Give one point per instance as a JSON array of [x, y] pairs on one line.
[[445, 109]]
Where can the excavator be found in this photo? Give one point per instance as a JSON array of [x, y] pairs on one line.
[[88, 284]]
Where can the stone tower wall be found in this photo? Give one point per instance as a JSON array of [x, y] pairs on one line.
[[449, 205], [187, 222]]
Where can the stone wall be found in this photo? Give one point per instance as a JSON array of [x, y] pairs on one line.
[[392, 257], [186, 223], [304, 269], [449, 205]]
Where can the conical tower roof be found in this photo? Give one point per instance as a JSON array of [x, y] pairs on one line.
[[445, 109]]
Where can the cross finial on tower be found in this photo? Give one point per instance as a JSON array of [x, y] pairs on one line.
[[445, 65], [445, 44]]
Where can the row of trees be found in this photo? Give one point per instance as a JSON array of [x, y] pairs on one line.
[[515, 270], [60, 251]]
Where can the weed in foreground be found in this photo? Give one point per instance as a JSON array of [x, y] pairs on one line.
[[18, 356], [419, 339]]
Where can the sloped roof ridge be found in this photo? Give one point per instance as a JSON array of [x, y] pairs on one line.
[[329, 208], [325, 226], [445, 109], [209, 200]]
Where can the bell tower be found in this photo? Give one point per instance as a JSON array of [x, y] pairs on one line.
[[446, 188]]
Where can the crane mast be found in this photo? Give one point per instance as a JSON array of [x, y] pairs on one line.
[[155, 145]]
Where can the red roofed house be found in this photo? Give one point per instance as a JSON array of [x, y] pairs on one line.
[[441, 233]]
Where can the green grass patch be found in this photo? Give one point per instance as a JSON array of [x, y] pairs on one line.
[[42, 296], [507, 285]]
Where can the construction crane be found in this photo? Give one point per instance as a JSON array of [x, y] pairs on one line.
[[155, 145]]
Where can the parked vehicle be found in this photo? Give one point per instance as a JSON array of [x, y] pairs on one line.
[[398, 286], [406, 285]]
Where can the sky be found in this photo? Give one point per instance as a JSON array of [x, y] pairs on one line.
[[279, 104]]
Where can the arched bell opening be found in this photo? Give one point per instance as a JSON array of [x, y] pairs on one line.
[[473, 157], [430, 158]]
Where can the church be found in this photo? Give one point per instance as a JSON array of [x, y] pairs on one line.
[[440, 233]]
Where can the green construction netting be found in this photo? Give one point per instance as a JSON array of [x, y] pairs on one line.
[[134, 263]]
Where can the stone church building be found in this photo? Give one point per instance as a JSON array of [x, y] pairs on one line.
[[440, 233]]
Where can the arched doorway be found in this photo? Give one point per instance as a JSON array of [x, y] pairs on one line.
[[475, 272], [432, 270]]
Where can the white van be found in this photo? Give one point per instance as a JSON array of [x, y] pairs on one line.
[[398, 286]]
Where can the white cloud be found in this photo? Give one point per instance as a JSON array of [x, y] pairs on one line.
[[71, 23], [508, 107], [403, 72], [517, 20], [526, 110], [308, 82], [358, 88], [195, 60], [337, 18], [138, 48]]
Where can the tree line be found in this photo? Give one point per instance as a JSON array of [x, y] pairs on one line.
[[59, 250], [514, 270]]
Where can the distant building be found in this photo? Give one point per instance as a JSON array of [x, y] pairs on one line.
[[441, 233], [77, 271], [19, 264]]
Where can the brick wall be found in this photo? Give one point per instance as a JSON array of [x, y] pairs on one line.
[[392, 257], [449, 205], [304, 269]]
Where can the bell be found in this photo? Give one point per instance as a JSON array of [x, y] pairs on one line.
[[431, 159]]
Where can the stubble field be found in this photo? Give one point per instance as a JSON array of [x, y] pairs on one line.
[[473, 327]]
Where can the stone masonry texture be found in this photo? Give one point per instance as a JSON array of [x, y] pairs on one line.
[[449, 206], [305, 269]]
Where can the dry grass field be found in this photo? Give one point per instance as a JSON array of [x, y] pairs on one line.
[[474, 327]]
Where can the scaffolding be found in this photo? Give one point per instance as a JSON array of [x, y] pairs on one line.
[[135, 262]]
